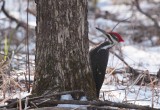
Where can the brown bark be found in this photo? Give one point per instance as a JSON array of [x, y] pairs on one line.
[[62, 47]]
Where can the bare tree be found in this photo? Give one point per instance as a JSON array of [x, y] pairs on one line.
[[62, 47]]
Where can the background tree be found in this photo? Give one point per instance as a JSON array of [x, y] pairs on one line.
[[62, 47]]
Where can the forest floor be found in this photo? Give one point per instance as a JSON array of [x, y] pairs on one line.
[[118, 86]]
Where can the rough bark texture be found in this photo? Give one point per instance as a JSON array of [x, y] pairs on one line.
[[62, 47]]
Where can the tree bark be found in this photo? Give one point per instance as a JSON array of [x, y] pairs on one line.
[[62, 46]]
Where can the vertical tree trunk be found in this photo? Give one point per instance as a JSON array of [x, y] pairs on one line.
[[62, 61]]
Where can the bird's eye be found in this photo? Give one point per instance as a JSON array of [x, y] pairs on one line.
[[114, 37]]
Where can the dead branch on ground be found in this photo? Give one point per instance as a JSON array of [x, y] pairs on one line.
[[50, 102]]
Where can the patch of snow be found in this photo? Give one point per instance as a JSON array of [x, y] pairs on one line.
[[141, 58], [21, 95], [15, 14], [22, 77], [83, 98], [101, 23], [137, 57], [145, 5], [66, 97], [136, 94], [103, 3], [32, 23], [69, 97]]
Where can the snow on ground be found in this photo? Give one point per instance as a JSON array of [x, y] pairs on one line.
[[136, 94], [69, 97], [138, 57], [145, 58], [17, 95]]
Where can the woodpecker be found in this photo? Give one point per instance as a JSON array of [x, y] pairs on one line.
[[99, 57]]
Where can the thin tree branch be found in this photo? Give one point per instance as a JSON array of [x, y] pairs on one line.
[[21, 23], [14, 102], [119, 58], [131, 70], [120, 22], [105, 103], [100, 103], [146, 14]]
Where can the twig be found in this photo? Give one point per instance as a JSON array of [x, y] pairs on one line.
[[6, 99], [42, 97], [103, 103], [33, 104], [146, 14], [20, 102], [114, 90], [22, 24], [26, 104], [77, 102], [120, 22], [119, 58], [27, 55], [131, 70]]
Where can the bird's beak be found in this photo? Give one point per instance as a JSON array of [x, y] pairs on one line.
[[101, 30], [104, 32], [114, 33]]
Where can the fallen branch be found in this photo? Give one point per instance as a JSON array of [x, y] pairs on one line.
[[50, 102], [14, 102], [100, 103]]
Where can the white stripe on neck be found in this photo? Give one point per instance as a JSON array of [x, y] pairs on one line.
[[107, 46]]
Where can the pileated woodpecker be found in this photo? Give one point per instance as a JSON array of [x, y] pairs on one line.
[[99, 57]]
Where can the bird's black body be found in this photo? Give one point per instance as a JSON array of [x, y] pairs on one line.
[[99, 57], [98, 62]]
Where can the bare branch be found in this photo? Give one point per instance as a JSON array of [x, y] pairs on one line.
[[77, 102], [102, 103], [120, 22], [146, 14], [131, 70], [20, 23]]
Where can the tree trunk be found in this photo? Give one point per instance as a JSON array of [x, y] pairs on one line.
[[62, 61]]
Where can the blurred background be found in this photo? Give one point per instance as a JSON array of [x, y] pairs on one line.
[[138, 21]]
